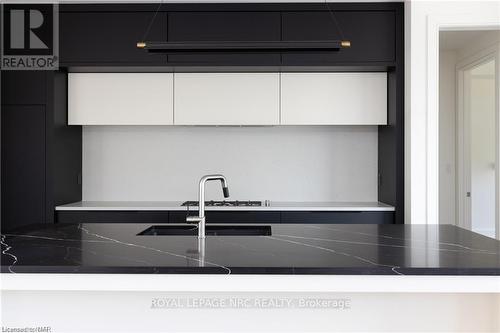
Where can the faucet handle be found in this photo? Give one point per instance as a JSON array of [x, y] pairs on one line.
[[193, 219]]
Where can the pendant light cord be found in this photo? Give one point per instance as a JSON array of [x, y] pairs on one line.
[[152, 21], [332, 14], [335, 20]]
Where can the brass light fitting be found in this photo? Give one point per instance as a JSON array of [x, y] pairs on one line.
[[345, 43]]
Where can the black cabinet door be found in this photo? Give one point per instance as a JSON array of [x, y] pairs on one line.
[[224, 26], [100, 38], [235, 217], [347, 217], [372, 36], [23, 165], [78, 216]]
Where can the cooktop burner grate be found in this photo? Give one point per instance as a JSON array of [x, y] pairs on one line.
[[224, 203]]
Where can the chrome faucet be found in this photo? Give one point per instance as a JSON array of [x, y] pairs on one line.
[[200, 219]]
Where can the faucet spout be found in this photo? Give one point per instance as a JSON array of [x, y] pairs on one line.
[[225, 188], [200, 219]]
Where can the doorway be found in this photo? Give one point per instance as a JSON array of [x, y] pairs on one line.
[[469, 131], [477, 126]]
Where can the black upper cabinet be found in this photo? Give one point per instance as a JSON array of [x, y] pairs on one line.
[[225, 27], [372, 36], [106, 35], [109, 37]]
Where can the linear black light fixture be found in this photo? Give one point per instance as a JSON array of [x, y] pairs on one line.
[[244, 46], [257, 46]]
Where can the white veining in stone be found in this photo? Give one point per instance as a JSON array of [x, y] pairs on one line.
[[5, 252], [99, 254], [152, 249], [387, 245], [265, 253], [399, 238], [59, 239], [393, 268]]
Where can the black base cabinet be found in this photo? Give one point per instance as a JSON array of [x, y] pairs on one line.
[[254, 217], [112, 217], [164, 217], [347, 217], [230, 217]]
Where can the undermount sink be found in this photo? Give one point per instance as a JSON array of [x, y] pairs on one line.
[[210, 230]]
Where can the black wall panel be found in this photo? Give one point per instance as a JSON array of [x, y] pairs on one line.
[[23, 165], [23, 87]]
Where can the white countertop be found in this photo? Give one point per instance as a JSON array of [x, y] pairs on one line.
[[176, 205]]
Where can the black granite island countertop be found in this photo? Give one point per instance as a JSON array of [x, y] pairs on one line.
[[289, 249]]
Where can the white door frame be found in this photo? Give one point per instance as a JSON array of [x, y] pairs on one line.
[[435, 24], [463, 145]]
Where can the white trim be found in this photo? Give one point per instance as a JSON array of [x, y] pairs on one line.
[[432, 117], [461, 205], [408, 12], [497, 162], [250, 283]]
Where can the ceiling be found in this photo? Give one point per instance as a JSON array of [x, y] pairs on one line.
[[455, 40], [484, 70]]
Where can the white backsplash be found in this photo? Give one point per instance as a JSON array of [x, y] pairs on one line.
[[155, 163]]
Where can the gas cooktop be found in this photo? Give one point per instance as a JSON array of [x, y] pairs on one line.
[[225, 203]]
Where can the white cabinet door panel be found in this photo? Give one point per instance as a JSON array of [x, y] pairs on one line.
[[120, 98], [226, 98], [334, 98]]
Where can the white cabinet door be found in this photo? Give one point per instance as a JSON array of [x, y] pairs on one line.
[[120, 99], [334, 98], [226, 98]]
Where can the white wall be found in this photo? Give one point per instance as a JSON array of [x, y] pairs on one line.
[[482, 148], [324, 163], [423, 19]]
